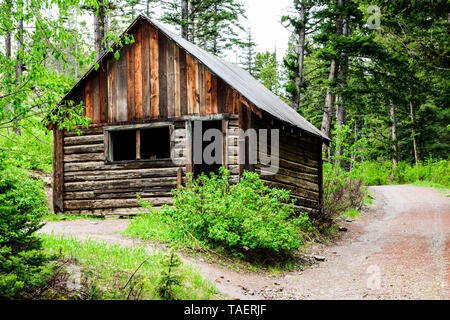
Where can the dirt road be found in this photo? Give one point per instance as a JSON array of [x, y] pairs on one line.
[[399, 249]]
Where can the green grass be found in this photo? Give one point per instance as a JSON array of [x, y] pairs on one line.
[[64, 217], [351, 213], [149, 227], [108, 268]]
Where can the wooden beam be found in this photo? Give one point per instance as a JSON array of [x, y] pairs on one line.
[[138, 144], [58, 171], [138, 74], [154, 73]]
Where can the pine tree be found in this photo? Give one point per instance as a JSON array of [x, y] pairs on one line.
[[211, 24], [248, 59]]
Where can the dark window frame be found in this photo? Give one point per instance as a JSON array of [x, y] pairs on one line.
[[108, 131]]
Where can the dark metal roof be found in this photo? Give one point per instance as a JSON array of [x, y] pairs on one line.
[[240, 80]]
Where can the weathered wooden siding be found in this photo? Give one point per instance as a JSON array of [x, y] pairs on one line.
[[92, 186], [153, 79], [300, 161]]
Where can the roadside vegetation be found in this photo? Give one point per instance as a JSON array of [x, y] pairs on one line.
[[104, 271], [247, 220], [50, 267]]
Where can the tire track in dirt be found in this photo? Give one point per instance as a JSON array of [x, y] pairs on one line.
[[398, 249]]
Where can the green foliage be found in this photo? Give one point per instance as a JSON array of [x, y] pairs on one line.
[[342, 191], [243, 216], [116, 272], [31, 150], [266, 70], [211, 24], [23, 265], [384, 172], [342, 185], [169, 277]]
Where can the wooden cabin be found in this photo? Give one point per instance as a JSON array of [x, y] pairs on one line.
[[142, 109]]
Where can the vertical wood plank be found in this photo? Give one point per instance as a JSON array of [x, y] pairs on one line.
[[58, 171], [242, 146], [95, 93], [120, 88], [170, 80], [154, 73], [225, 144], [146, 88], [236, 101], [138, 144], [162, 76], [176, 79], [192, 91], [138, 73], [188, 146], [88, 92], [214, 103], [208, 98], [103, 86], [201, 89], [221, 95], [112, 103], [183, 82], [131, 105], [229, 100]]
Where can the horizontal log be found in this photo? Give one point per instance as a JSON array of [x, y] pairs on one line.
[[110, 213], [107, 185], [305, 202], [83, 157], [283, 162], [305, 209], [234, 169], [294, 190], [115, 203], [81, 140], [119, 174], [84, 132], [87, 148], [114, 195], [288, 180], [314, 178], [101, 165]]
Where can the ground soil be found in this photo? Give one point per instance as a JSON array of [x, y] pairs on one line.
[[397, 249]]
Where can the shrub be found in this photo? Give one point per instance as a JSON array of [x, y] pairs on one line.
[[384, 172], [23, 265], [247, 215], [343, 191]]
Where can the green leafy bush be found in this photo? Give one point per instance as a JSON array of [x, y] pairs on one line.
[[247, 215], [342, 191], [23, 265], [384, 172], [32, 149]]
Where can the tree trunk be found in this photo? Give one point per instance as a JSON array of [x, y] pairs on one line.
[[147, 9], [412, 107], [331, 96], [301, 55], [19, 64], [184, 18], [100, 29], [341, 112], [394, 134]]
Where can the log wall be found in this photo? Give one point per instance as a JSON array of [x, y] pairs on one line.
[[93, 186], [300, 165]]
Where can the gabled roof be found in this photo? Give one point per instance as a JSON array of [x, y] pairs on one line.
[[238, 78]]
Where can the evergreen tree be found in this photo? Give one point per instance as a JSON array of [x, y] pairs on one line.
[[267, 71], [211, 24]]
